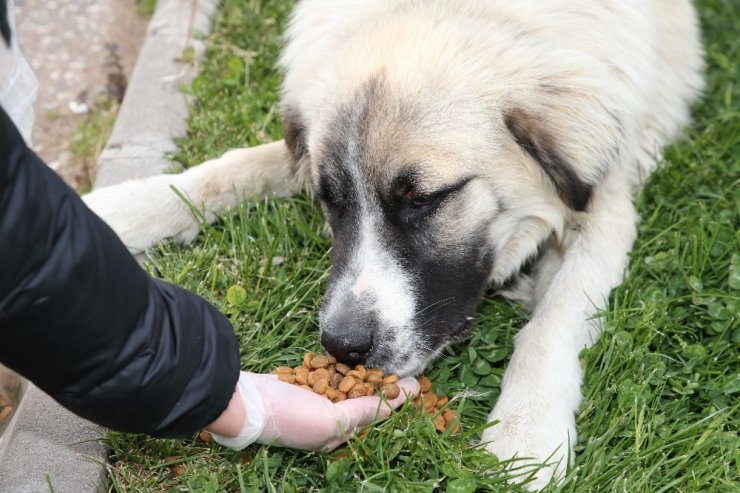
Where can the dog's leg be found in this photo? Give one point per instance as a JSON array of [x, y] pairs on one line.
[[145, 211], [540, 392]]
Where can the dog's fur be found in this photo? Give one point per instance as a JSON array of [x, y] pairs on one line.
[[449, 143]]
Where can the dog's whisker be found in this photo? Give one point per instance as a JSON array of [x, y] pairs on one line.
[[437, 304]]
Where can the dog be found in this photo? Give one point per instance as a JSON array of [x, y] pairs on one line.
[[450, 144]]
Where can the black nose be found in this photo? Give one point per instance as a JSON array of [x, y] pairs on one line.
[[351, 348]]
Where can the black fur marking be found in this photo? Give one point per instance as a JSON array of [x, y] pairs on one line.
[[530, 135], [295, 133]]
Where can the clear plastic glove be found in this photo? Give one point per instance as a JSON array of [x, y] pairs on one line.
[[278, 413]]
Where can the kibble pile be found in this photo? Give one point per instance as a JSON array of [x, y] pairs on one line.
[[324, 375]]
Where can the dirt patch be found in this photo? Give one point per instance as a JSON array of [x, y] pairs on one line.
[[82, 52]]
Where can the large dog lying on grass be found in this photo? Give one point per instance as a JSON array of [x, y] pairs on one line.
[[449, 144]]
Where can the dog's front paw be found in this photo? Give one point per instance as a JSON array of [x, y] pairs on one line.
[[142, 212], [537, 434]]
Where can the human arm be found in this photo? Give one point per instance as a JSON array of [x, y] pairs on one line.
[[83, 321]]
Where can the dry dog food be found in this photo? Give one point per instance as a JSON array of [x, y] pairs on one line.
[[336, 381], [324, 375], [428, 401]]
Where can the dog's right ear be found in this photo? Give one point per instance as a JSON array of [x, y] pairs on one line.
[[534, 138], [295, 133]]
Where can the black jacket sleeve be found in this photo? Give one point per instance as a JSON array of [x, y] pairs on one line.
[[82, 320]]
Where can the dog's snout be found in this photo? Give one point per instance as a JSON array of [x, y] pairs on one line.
[[350, 346]]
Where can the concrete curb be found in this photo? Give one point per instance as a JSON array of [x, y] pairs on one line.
[[154, 109], [46, 447]]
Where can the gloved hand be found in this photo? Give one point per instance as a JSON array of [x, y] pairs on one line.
[[278, 413]]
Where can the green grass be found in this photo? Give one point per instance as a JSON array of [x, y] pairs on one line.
[[145, 8], [661, 387]]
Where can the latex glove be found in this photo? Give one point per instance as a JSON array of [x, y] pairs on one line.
[[278, 413]]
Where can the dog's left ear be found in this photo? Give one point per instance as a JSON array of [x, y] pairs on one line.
[[533, 136]]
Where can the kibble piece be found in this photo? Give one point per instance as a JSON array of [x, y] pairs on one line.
[[341, 396], [283, 369], [307, 359], [369, 390], [439, 423], [342, 368], [205, 437], [374, 371], [442, 401], [301, 375], [430, 400], [177, 470], [307, 387], [425, 384], [347, 384], [331, 393], [390, 390], [449, 415], [322, 373], [319, 362], [311, 378], [285, 377], [390, 378], [354, 373], [321, 385], [356, 391], [332, 359], [335, 380], [374, 379]]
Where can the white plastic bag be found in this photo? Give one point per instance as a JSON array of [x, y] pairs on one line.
[[18, 84]]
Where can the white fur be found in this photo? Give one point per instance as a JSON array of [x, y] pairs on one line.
[[376, 276], [613, 81], [142, 212]]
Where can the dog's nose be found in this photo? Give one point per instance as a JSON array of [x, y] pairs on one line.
[[351, 347]]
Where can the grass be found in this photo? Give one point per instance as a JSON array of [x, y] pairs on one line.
[[660, 408], [92, 134], [145, 8]]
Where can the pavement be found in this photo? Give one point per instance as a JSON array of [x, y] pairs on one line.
[[46, 448], [73, 46]]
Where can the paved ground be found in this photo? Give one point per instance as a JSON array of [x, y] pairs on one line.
[[69, 44]]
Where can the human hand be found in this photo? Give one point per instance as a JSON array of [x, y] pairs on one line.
[[278, 413]]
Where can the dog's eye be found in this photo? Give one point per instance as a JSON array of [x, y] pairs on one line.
[[418, 205], [417, 201]]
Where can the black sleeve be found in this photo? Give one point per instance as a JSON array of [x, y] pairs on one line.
[[82, 320]]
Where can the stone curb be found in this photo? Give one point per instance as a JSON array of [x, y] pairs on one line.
[[47, 448]]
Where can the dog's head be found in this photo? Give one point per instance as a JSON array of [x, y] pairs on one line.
[[430, 191]]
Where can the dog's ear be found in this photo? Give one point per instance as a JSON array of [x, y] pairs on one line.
[[533, 136]]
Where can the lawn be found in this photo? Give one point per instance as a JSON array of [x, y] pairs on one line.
[[661, 388]]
